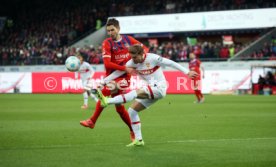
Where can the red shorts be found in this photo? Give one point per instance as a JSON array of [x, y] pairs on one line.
[[122, 84]]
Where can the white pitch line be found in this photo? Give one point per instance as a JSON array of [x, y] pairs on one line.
[[147, 143], [221, 140]]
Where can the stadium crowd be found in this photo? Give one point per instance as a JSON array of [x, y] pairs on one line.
[[179, 51], [174, 50], [267, 52], [40, 32], [266, 83]]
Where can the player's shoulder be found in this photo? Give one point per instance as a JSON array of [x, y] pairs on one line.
[[198, 61], [130, 39], [128, 36], [86, 63], [107, 40], [152, 55], [130, 63]]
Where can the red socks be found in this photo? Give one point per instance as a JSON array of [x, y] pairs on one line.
[[97, 113], [99, 109], [120, 110], [198, 94], [124, 115]]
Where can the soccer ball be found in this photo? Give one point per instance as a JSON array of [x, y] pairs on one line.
[[72, 63]]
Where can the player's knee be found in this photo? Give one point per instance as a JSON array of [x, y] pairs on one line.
[[162, 94], [133, 115], [132, 112]]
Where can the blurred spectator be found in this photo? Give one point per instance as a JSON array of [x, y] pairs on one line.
[[270, 79], [261, 83], [224, 52], [37, 36]]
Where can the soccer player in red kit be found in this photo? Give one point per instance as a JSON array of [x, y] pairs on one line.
[[195, 65], [115, 55]]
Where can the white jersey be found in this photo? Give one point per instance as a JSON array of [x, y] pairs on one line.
[[85, 71], [150, 69]]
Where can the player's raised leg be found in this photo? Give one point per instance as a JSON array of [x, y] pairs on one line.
[[122, 98]]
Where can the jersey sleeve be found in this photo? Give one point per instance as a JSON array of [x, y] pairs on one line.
[[113, 76], [166, 62], [106, 49], [134, 41], [130, 64], [198, 63]]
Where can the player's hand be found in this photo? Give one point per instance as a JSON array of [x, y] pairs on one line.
[[192, 74], [131, 71], [101, 84]]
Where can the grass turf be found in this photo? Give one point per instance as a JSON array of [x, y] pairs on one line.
[[43, 130]]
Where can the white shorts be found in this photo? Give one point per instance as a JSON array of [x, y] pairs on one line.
[[154, 92]]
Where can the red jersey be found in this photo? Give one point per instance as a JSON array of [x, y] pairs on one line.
[[115, 53], [194, 65]]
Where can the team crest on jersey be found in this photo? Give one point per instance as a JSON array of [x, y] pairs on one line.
[[148, 65], [114, 48]]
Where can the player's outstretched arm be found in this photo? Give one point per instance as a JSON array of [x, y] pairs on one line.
[[110, 65], [118, 73], [167, 62], [113, 76]]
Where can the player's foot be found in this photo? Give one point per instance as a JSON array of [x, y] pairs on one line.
[[136, 143], [202, 100], [196, 102], [88, 123], [84, 107], [132, 136], [100, 96]]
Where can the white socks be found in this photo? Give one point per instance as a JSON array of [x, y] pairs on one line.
[[123, 98], [135, 123], [94, 97], [85, 98]]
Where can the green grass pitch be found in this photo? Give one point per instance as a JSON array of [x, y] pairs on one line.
[[226, 131]]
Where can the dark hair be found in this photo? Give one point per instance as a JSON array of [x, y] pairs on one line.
[[113, 22], [136, 49]]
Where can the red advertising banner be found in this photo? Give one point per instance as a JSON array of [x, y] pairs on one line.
[[65, 82], [178, 83]]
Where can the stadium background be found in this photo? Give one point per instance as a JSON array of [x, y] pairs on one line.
[[37, 129], [52, 31]]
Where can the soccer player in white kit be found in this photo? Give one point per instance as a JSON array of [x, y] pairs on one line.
[[147, 67], [85, 73]]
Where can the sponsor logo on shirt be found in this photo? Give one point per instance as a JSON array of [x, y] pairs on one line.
[[148, 71], [121, 56]]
